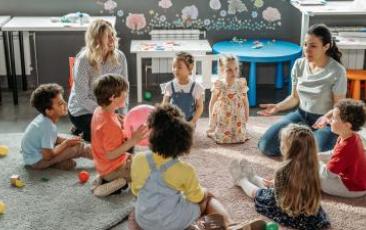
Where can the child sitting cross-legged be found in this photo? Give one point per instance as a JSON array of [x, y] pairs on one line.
[[169, 195], [41, 146], [345, 173], [293, 198], [109, 142]]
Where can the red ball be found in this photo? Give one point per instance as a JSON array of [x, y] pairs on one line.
[[83, 176]]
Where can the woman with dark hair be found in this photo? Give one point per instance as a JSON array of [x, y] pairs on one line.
[[318, 82]]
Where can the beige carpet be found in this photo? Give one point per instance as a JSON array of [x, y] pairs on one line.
[[211, 162]]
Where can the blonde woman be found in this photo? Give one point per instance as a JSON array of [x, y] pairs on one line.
[[99, 56], [293, 197]]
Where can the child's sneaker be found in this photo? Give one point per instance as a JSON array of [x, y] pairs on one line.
[[240, 168], [253, 225], [109, 188]]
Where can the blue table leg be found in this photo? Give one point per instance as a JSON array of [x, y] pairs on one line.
[[252, 84], [279, 75], [292, 62]]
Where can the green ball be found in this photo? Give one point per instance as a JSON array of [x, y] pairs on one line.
[[147, 96], [271, 226]]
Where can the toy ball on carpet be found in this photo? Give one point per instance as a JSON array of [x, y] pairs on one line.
[[2, 207], [135, 117], [4, 150], [83, 176]]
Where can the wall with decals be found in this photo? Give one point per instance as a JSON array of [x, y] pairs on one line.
[[222, 19]]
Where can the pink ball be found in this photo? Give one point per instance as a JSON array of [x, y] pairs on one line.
[[135, 117]]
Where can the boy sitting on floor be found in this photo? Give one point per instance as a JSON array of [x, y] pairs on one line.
[[41, 146]]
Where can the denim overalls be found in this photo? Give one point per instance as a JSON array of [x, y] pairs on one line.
[[185, 101], [161, 207]]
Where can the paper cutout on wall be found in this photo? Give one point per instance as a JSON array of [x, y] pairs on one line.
[[136, 21], [223, 13], [258, 3], [271, 14], [215, 4], [165, 4], [120, 13], [254, 15], [110, 5], [190, 13], [236, 6]]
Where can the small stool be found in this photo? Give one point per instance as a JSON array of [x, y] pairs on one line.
[[355, 77]]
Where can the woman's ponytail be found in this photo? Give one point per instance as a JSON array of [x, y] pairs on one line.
[[334, 52]]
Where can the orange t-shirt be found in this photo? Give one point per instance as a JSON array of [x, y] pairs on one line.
[[106, 135]]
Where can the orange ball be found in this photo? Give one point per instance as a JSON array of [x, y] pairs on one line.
[[83, 176]]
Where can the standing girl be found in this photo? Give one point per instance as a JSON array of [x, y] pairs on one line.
[[294, 197], [183, 91], [229, 107]]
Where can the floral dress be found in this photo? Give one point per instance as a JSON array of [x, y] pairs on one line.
[[228, 120]]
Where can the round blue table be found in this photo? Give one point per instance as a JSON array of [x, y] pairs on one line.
[[272, 51]]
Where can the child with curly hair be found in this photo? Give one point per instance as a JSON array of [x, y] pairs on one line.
[[169, 195]]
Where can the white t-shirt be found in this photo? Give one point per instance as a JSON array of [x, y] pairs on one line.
[[197, 93], [316, 90]]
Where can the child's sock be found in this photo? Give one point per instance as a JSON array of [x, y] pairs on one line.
[[257, 180], [248, 187]]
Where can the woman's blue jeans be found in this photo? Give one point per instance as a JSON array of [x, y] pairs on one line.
[[269, 143]]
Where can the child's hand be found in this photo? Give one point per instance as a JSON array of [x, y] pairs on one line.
[[321, 122], [268, 182], [140, 133], [72, 141], [268, 109]]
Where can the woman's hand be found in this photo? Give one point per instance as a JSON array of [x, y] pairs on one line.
[[268, 109], [321, 122]]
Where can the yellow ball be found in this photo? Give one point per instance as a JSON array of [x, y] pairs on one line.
[[2, 207], [4, 150]]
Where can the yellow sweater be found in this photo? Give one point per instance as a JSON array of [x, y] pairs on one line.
[[181, 176]]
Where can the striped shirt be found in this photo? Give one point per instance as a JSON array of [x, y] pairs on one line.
[[82, 100]]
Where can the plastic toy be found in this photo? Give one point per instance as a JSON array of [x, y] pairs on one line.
[[135, 117], [16, 181], [2, 207], [83, 176], [147, 96], [44, 179], [3, 150], [271, 226]]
